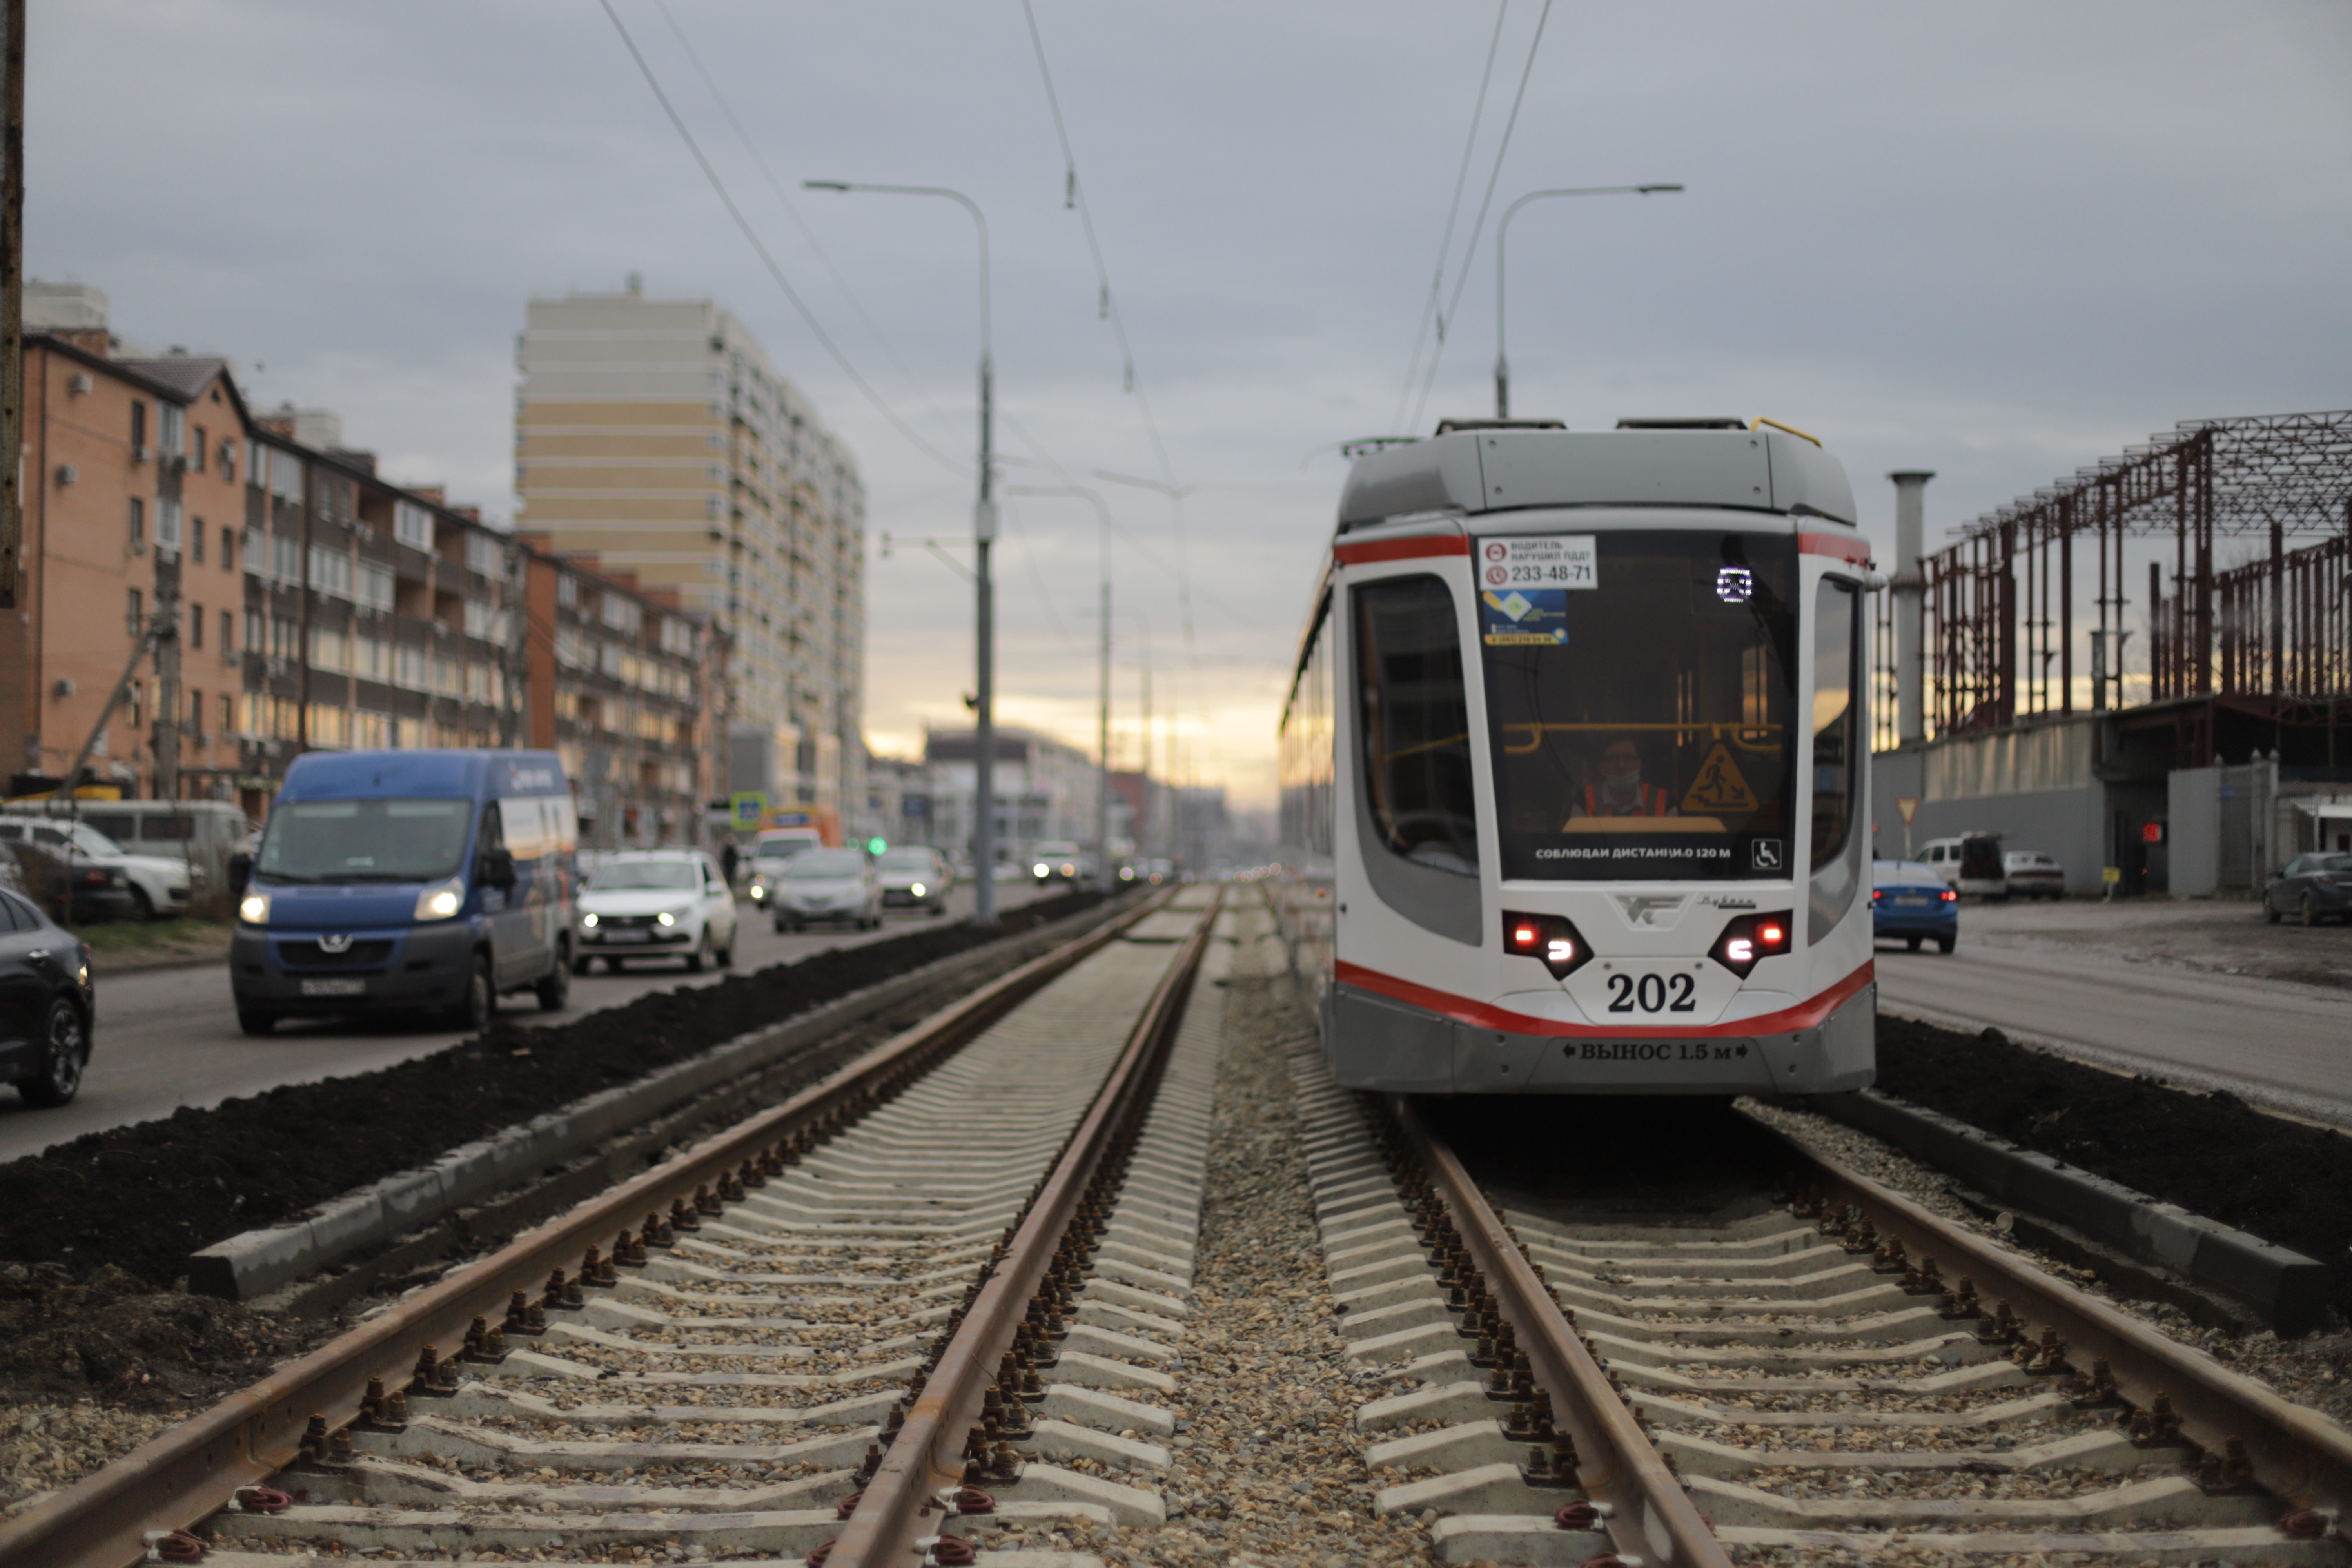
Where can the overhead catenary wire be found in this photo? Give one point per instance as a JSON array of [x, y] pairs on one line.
[[1494, 177], [1453, 212], [727, 199]]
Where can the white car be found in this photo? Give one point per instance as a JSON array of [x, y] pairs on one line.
[[2032, 874], [653, 904], [159, 887], [772, 852], [837, 885], [917, 876]]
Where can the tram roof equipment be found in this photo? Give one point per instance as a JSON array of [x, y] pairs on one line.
[[1465, 469]]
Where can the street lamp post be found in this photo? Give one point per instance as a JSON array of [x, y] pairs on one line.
[[1502, 233], [1103, 872], [984, 535]]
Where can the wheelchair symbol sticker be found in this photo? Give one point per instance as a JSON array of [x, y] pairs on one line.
[[1764, 853]]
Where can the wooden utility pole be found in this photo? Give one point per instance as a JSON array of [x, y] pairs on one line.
[[12, 301]]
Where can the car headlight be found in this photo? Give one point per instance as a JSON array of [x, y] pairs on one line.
[[441, 901], [1041, 869], [666, 918], [588, 920], [917, 889], [758, 891], [254, 909]]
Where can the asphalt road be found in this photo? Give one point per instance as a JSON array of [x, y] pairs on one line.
[[168, 1037], [2277, 1041]]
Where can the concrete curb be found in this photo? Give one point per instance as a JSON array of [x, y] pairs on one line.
[[259, 1261], [2285, 1289]]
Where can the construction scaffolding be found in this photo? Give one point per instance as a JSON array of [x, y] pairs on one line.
[[2016, 625]]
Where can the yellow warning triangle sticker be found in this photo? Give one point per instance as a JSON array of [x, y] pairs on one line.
[[1720, 785]]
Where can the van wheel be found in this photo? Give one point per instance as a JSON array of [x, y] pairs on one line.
[[256, 1020], [65, 1049], [481, 1003], [555, 991]]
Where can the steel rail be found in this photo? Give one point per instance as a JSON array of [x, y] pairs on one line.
[[2292, 1451], [1643, 1506], [925, 1464], [190, 1471]]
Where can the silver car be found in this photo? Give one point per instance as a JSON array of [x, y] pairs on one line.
[[836, 886], [915, 876]]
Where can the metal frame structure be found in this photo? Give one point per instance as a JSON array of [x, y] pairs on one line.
[[2271, 635]]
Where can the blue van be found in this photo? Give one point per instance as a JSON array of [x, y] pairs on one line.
[[429, 881]]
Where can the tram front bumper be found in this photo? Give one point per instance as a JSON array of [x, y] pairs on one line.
[[1374, 1042]]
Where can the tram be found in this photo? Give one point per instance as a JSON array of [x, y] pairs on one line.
[[1573, 792]]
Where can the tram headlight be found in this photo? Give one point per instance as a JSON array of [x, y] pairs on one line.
[[1749, 940], [1551, 940]]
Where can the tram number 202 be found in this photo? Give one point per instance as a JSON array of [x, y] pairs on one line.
[[1653, 994]]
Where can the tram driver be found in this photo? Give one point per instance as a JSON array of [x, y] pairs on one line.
[[1620, 791]]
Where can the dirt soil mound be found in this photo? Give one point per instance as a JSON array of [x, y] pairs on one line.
[[2212, 1153], [139, 1199]]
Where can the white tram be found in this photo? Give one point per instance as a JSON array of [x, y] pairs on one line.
[[1574, 766]]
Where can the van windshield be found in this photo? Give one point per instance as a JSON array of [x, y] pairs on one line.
[[365, 840]]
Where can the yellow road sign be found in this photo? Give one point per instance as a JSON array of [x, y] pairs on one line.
[[1908, 804]]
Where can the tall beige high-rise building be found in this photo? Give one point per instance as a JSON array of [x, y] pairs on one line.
[[656, 434]]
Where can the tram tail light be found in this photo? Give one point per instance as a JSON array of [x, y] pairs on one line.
[[1750, 938], [1549, 940]]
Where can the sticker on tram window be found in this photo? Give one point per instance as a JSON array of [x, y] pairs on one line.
[[1720, 786], [1558, 561], [1523, 617]]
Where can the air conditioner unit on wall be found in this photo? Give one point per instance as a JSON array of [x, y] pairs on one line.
[[68, 475], [77, 384]]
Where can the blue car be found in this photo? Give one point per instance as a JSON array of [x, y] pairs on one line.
[[1913, 902]]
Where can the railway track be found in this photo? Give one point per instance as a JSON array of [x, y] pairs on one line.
[[943, 1307], [1765, 1359], [743, 1352]]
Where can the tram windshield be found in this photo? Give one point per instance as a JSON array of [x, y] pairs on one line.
[[1640, 689]]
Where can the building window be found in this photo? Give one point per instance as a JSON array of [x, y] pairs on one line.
[[285, 558], [375, 587], [486, 555], [138, 429], [623, 615], [195, 713], [135, 615], [253, 635], [229, 712], [477, 618], [167, 523], [138, 523], [196, 541], [228, 550], [228, 633], [134, 703], [330, 570], [567, 591], [197, 450], [196, 623], [412, 525], [228, 462], [171, 429]]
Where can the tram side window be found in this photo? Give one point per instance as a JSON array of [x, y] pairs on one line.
[[1414, 715], [1837, 712]]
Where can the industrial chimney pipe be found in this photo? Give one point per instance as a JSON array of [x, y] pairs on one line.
[[1910, 593]]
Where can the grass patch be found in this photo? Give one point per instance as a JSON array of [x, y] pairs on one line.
[[144, 936]]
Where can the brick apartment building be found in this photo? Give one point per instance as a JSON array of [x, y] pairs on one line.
[[317, 605]]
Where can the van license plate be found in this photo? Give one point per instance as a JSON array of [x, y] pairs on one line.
[[334, 988]]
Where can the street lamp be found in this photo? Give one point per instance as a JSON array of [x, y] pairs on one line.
[[984, 535], [1103, 872], [1502, 233]]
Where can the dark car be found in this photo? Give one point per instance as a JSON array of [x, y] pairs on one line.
[[47, 1003], [72, 889], [2312, 888], [1911, 901]]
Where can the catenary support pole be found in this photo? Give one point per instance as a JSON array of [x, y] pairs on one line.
[[1910, 676]]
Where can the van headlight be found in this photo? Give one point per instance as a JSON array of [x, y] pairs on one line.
[[441, 901], [917, 889], [254, 909]]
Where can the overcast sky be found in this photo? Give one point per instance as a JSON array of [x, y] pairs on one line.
[[1997, 240]]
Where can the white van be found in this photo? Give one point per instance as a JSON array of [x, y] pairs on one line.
[[203, 834], [1972, 863]]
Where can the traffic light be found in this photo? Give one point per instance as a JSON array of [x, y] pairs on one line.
[[876, 846]]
